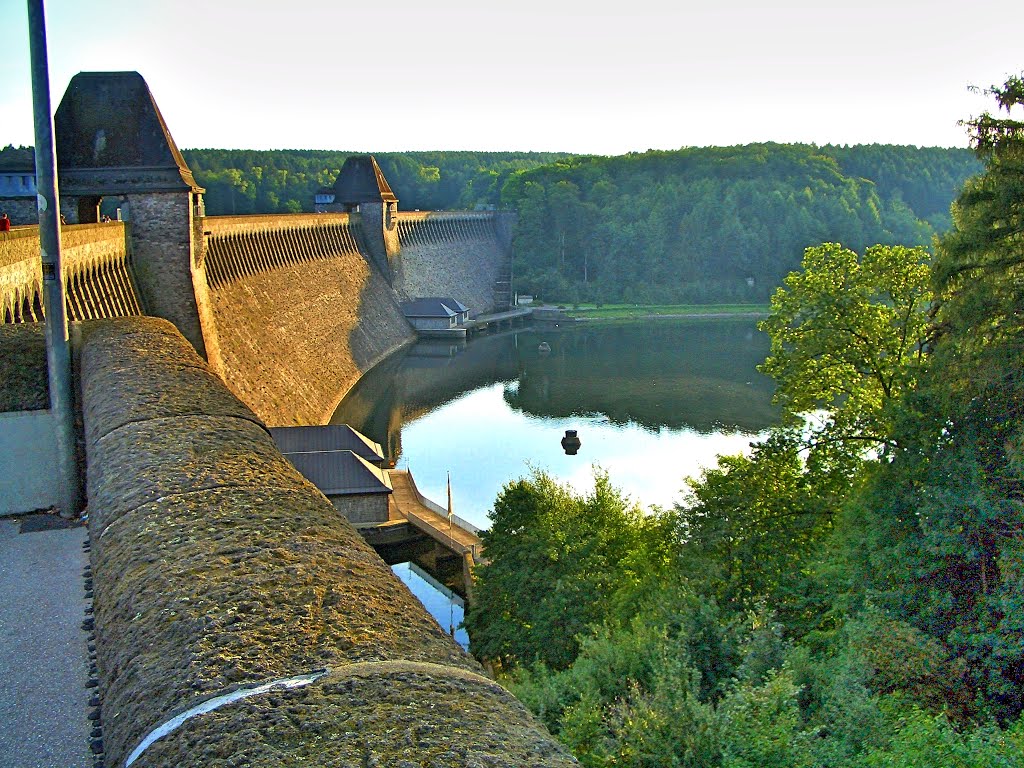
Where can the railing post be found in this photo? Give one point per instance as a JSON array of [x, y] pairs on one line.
[[58, 355]]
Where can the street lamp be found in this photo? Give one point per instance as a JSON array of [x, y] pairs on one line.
[[58, 356]]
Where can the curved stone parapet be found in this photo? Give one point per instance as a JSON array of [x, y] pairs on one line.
[[240, 620], [98, 279]]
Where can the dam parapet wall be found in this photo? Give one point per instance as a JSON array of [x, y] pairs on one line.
[[98, 276], [219, 572]]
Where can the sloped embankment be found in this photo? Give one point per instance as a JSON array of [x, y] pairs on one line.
[[218, 568]]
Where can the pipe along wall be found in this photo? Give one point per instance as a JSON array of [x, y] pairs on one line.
[[217, 568]]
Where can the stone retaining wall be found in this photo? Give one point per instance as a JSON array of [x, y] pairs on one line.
[[217, 567]]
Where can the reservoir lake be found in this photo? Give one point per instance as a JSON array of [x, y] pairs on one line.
[[652, 402]]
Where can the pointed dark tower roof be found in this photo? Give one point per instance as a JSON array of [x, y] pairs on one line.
[[111, 138], [362, 181]]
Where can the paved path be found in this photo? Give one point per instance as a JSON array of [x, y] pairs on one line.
[[43, 698]]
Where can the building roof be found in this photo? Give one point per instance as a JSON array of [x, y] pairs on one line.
[[108, 123], [340, 473], [362, 181], [433, 306], [332, 437]]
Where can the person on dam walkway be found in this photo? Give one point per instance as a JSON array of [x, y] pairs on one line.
[[5, 223]]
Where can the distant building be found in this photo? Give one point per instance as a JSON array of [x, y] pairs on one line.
[[18, 186], [435, 314], [359, 181]]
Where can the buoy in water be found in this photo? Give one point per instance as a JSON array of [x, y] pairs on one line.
[[570, 443]]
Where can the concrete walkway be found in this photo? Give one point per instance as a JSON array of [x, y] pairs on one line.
[[43, 698]]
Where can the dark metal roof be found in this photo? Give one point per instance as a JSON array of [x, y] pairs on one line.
[[108, 123], [433, 306], [332, 437], [426, 308], [340, 473], [362, 181]]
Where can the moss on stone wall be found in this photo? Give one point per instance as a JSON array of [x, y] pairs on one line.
[[217, 566], [23, 374], [388, 715]]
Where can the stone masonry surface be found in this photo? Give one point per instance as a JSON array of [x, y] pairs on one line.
[[23, 368], [216, 565], [294, 340], [450, 255]]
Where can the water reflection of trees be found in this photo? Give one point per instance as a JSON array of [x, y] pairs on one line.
[[699, 375]]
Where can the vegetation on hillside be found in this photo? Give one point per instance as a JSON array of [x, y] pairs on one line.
[[850, 593], [239, 181], [718, 224]]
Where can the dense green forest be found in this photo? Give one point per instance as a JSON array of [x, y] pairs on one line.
[[721, 223], [241, 181], [848, 594]]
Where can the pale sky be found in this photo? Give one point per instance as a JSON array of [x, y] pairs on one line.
[[559, 75]]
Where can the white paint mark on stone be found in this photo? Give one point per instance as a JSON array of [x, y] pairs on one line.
[[219, 701]]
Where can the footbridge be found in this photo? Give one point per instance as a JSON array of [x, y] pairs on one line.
[[419, 531]]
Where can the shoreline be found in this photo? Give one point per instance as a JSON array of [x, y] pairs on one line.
[[640, 314]]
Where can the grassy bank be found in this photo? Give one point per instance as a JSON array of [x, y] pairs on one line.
[[641, 311]]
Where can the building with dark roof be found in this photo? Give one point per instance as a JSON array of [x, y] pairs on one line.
[[332, 437], [356, 488], [436, 314], [362, 191], [98, 154], [360, 181]]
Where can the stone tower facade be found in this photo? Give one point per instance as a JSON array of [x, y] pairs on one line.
[[113, 142], [362, 191]]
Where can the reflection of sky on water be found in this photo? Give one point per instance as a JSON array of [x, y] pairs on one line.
[[484, 444], [447, 611]]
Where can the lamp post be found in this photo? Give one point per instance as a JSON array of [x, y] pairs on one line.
[[58, 356]]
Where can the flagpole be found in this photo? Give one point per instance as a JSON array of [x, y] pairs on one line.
[[451, 544]]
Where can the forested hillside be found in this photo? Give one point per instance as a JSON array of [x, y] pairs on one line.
[[848, 594], [721, 223], [240, 181]]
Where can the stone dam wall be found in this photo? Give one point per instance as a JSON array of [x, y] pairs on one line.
[[300, 313], [97, 273], [218, 569], [464, 255], [290, 310]]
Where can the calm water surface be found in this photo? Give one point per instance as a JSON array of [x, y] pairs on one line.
[[652, 403]]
